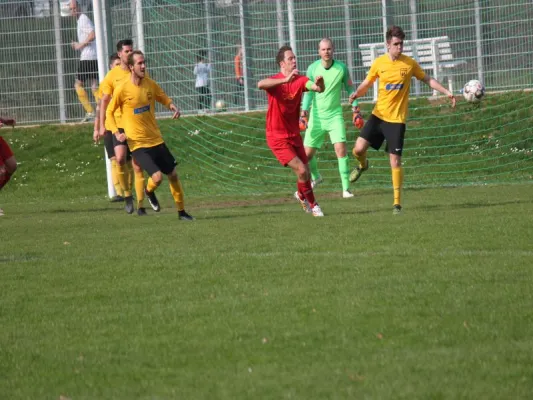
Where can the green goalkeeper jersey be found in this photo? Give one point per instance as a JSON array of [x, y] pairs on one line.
[[327, 103]]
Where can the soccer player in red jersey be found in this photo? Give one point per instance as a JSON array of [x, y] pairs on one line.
[[284, 91], [8, 163]]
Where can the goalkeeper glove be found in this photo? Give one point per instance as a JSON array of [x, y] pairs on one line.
[[304, 118], [357, 118]]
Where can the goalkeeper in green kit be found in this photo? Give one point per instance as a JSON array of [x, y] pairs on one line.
[[326, 113]]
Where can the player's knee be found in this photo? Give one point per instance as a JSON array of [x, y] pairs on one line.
[[157, 178], [173, 176], [303, 173], [358, 151]]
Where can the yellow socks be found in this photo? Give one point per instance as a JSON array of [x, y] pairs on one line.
[[123, 179], [139, 187], [177, 193], [361, 158], [84, 99], [151, 185], [397, 182], [114, 175]]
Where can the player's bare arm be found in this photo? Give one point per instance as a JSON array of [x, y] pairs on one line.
[[96, 130], [435, 84], [273, 82], [104, 102], [318, 85], [360, 91], [79, 46], [176, 111]]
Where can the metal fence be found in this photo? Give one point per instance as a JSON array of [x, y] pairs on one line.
[[38, 66]]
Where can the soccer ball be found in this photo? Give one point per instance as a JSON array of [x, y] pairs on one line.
[[473, 91], [220, 105]]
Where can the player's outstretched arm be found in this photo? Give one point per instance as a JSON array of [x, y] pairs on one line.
[[318, 86], [436, 85], [269, 83], [361, 90]]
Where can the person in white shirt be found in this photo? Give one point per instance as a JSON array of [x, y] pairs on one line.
[[202, 70], [88, 65]]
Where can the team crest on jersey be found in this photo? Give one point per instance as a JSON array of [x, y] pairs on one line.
[[403, 72], [149, 95]]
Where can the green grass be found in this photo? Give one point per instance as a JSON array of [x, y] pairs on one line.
[[256, 299]]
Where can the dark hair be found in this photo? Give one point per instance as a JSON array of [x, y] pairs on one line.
[[132, 54], [202, 55], [124, 42], [113, 57], [394, 31], [281, 53]]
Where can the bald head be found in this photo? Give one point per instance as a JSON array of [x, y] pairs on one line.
[[325, 50], [74, 8]]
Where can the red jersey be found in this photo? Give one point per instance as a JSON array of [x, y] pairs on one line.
[[284, 107]]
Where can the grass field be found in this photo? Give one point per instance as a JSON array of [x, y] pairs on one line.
[[256, 299]]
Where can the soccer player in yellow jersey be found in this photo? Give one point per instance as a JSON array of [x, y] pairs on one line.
[[114, 61], [387, 122], [112, 80], [136, 99]]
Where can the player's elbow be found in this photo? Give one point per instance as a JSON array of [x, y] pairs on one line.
[[261, 85]]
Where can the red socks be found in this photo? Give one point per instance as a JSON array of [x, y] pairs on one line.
[[305, 190]]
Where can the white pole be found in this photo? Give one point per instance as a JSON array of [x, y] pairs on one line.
[[348, 32], [209, 30], [479, 48], [59, 62], [99, 31], [140, 21], [292, 26], [102, 70], [384, 17], [414, 36], [279, 13], [242, 20]]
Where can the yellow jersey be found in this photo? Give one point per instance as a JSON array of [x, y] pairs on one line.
[[394, 84], [137, 107], [114, 78]]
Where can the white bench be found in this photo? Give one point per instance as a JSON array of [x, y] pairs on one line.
[[431, 54]]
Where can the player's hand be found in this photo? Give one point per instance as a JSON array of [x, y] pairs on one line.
[[76, 46], [102, 131], [121, 137], [352, 98], [96, 136], [176, 110], [304, 119], [294, 73], [240, 81], [357, 118], [452, 99], [319, 81]]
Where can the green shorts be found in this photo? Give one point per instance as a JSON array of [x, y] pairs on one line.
[[317, 128]]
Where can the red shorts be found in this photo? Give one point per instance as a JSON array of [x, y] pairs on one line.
[[5, 151], [286, 148]]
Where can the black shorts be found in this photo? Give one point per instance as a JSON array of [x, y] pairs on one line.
[[155, 159], [87, 70], [376, 131], [109, 144]]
